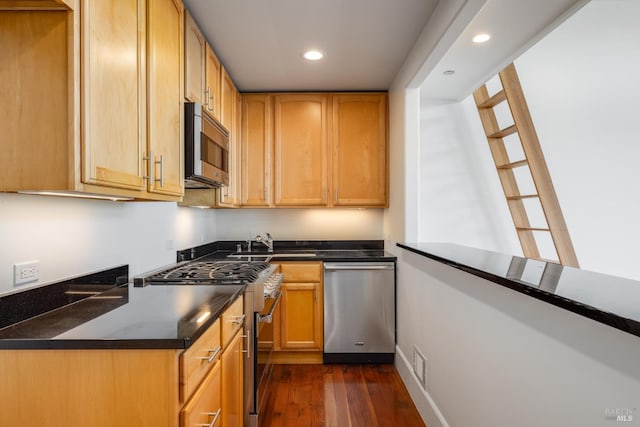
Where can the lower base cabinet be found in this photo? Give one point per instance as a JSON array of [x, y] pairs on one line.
[[202, 386], [205, 406], [232, 381], [297, 329]]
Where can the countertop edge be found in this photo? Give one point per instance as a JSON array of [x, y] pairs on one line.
[[611, 319]]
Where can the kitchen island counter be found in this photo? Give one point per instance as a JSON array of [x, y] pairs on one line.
[[607, 299]]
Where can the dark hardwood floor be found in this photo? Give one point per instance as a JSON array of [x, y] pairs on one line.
[[338, 396]]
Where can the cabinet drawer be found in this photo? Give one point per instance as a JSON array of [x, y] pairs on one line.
[[232, 321], [302, 271], [206, 404], [198, 360]]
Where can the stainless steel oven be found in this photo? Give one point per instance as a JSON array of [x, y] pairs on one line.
[[264, 352], [206, 149], [261, 296]]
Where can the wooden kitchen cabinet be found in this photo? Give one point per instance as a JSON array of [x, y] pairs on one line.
[[194, 59], [205, 405], [301, 307], [232, 383], [212, 81], [77, 121], [126, 387], [165, 98], [257, 150], [309, 149], [231, 110], [38, 4], [300, 145], [359, 150]]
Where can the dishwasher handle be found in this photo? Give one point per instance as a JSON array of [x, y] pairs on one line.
[[358, 266]]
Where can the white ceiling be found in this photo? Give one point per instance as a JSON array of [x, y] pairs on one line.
[[515, 25], [260, 41]]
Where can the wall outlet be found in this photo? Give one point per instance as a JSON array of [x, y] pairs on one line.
[[420, 367], [25, 272]]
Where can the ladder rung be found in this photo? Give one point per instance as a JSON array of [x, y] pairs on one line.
[[503, 132], [494, 100], [513, 165], [522, 196], [531, 229]]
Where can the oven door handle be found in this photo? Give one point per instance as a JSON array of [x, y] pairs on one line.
[[268, 318]]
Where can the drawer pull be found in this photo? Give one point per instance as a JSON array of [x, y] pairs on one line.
[[215, 416], [214, 354], [239, 320]]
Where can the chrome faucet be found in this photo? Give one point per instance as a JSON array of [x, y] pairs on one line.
[[267, 241]]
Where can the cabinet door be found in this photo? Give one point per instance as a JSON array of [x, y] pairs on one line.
[[232, 381], [113, 94], [257, 147], [229, 118], [301, 316], [212, 78], [359, 147], [227, 102], [194, 87], [300, 150], [205, 405], [165, 98]]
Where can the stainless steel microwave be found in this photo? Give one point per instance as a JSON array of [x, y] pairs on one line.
[[206, 149]]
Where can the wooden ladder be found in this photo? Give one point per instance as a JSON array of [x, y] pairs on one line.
[[533, 161]]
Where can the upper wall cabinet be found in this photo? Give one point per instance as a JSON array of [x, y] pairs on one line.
[[327, 150], [231, 107], [108, 126], [113, 155], [212, 79], [257, 150], [194, 42], [359, 150], [300, 144], [165, 98]]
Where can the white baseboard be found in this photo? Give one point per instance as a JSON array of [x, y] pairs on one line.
[[427, 408]]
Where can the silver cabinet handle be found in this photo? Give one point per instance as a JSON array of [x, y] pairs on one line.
[[247, 336], [215, 416], [214, 354], [239, 320], [161, 163], [206, 98]]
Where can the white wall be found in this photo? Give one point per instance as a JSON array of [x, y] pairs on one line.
[[72, 237], [581, 83], [300, 224], [582, 90], [499, 358], [461, 200]]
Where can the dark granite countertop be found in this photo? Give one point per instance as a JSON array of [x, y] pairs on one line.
[[121, 316], [315, 250], [611, 300], [102, 310]]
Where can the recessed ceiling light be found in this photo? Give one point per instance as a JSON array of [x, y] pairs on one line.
[[481, 38], [313, 55], [449, 72]]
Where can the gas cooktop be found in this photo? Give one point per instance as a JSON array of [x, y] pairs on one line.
[[206, 272]]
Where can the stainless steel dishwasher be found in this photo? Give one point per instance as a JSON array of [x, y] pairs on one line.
[[359, 312]]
